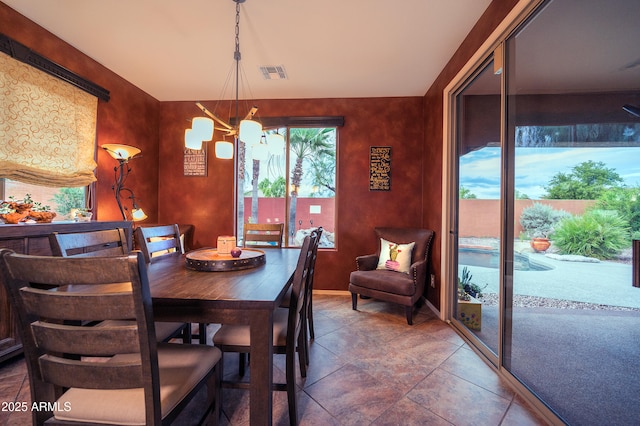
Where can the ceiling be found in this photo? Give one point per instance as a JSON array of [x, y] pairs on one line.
[[183, 50]]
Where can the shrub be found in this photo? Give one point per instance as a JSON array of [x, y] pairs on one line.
[[539, 220], [597, 233], [626, 201]]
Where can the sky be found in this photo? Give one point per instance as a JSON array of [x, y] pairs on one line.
[[480, 170]]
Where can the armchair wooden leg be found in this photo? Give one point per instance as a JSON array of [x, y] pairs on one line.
[[354, 301], [409, 311]]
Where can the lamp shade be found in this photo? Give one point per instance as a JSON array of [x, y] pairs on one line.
[[137, 214], [121, 152], [275, 142], [224, 150], [192, 139], [203, 128], [250, 132], [260, 152]]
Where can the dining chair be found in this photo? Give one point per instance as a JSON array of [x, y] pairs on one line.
[[157, 241], [309, 332], [263, 234], [163, 240], [102, 375], [110, 242], [287, 331]]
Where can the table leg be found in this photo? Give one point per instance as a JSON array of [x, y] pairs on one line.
[[261, 323]]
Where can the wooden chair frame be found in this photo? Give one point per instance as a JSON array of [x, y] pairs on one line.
[[60, 350], [263, 234]]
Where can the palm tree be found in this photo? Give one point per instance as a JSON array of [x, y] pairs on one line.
[[305, 144]]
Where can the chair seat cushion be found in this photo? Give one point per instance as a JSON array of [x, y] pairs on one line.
[[238, 335], [385, 281], [182, 367]]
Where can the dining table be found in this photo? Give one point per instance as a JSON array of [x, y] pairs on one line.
[[236, 296]]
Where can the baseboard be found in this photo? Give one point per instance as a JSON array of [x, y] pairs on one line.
[[333, 292]]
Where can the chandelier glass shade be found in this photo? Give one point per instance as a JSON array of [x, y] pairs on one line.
[[224, 150], [192, 140], [246, 130]]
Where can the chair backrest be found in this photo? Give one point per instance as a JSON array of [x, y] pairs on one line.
[[263, 234], [155, 241], [299, 286], [108, 242], [60, 349], [422, 237], [314, 256]]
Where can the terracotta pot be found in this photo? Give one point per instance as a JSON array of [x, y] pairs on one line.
[[14, 217], [42, 217], [540, 244]]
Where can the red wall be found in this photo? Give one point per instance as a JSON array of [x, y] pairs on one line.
[[272, 210], [481, 218], [130, 117], [135, 118], [207, 202], [433, 105]]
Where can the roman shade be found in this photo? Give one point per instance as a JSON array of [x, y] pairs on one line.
[[47, 128]]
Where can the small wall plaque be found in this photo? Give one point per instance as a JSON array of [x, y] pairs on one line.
[[380, 168], [195, 161]]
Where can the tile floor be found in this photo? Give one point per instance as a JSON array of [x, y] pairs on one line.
[[368, 367]]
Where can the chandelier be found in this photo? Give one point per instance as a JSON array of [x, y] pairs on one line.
[[246, 130]]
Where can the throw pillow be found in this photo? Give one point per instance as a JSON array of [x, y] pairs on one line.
[[395, 257]]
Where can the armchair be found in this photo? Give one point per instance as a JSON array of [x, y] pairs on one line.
[[379, 281]]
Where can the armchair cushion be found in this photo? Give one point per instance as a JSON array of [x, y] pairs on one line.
[[385, 281], [394, 256]]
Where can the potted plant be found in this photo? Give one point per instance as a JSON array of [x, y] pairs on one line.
[[41, 213], [538, 222], [13, 211], [469, 307]]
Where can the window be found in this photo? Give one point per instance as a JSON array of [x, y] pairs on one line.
[[294, 184], [61, 200]]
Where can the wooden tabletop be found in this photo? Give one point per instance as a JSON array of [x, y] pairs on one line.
[[246, 296], [256, 288]]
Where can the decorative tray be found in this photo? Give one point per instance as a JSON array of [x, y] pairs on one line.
[[208, 259]]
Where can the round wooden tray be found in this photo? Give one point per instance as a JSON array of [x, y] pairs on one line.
[[209, 260]]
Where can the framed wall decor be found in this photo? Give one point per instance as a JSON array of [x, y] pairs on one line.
[[195, 161], [380, 168]]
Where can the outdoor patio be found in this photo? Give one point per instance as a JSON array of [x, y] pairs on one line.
[[574, 334]]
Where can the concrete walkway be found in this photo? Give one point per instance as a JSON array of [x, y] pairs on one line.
[[604, 283]]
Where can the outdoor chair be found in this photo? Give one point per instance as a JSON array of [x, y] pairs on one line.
[[263, 235], [397, 272], [287, 331], [110, 242], [102, 375]]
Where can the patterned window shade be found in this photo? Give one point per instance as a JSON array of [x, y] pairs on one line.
[[47, 128]]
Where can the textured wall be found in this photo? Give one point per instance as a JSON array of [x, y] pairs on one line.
[[412, 126], [397, 122], [130, 117], [495, 13]]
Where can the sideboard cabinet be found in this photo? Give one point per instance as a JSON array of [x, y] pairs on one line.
[[34, 239]]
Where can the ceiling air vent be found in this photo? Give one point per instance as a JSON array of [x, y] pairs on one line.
[[275, 72]]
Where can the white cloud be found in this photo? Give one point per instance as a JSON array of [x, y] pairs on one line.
[[480, 170]]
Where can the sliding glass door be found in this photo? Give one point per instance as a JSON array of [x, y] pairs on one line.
[[547, 153], [479, 155]]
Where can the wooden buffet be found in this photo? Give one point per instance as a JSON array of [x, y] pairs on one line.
[[34, 239]]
